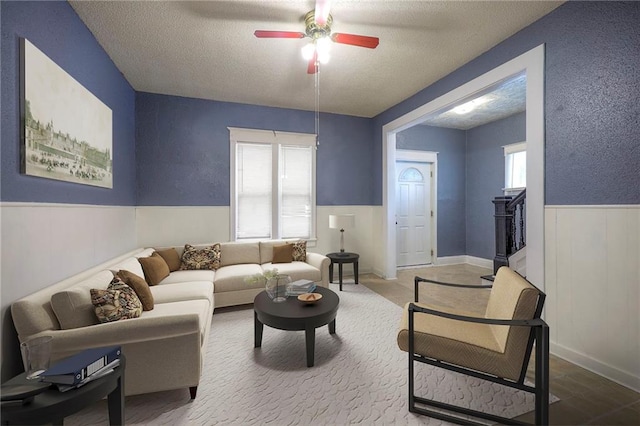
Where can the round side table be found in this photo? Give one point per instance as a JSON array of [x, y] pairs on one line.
[[52, 406], [341, 258]]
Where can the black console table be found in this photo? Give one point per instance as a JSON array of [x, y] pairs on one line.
[[341, 258], [52, 406]]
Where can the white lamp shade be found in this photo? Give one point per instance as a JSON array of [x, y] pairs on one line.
[[342, 221]]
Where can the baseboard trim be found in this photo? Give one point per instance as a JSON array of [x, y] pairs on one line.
[[471, 260], [621, 377]]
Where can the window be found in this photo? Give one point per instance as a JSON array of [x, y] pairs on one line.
[[272, 184], [515, 168]]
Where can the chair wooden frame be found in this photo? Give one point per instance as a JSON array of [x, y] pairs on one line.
[[539, 335]]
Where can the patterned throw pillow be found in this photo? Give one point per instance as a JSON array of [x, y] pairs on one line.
[[117, 302], [300, 251], [204, 258]]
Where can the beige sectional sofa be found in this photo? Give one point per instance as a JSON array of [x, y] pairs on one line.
[[164, 346]]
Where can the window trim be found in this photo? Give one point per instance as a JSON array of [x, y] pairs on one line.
[[276, 138]]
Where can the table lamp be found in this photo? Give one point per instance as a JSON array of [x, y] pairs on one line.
[[342, 222]]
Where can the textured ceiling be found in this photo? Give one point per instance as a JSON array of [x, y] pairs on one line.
[[208, 50], [500, 101]]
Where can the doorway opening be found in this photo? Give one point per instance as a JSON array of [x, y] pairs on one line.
[[532, 64]]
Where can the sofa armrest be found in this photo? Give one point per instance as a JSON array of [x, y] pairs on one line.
[[320, 262], [122, 333]]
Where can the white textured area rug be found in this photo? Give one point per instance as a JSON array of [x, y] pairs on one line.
[[360, 376]]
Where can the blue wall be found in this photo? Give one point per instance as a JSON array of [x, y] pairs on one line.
[[470, 175], [450, 145], [55, 29], [592, 153], [183, 150], [485, 179]]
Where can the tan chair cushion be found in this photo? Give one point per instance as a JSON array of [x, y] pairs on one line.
[[512, 297], [155, 268], [494, 349]]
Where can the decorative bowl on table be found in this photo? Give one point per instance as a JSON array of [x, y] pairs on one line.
[[309, 298]]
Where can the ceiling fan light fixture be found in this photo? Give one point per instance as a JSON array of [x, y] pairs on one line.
[[323, 46], [307, 51]]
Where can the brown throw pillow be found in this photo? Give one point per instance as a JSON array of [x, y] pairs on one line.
[[155, 268], [300, 251], [140, 286], [172, 258], [283, 253], [201, 258], [117, 302]]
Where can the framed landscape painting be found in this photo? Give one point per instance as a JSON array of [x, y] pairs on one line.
[[67, 131]]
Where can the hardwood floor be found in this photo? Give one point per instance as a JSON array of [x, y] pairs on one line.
[[585, 398]]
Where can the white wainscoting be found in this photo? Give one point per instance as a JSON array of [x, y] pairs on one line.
[[592, 278], [44, 243], [174, 226], [159, 226]]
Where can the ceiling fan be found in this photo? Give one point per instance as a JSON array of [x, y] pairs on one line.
[[318, 29]]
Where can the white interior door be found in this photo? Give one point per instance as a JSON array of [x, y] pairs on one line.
[[413, 213]]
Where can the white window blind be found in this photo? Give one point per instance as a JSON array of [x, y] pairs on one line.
[[254, 189], [272, 184], [296, 191], [515, 172]]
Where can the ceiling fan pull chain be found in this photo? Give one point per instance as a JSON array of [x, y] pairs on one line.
[[317, 103]]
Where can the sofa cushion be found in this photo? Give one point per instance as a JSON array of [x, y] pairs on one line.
[[140, 286], [179, 292], [300, 251], [117, 302], [200, 307], [73, 306], [231, 278], [283, 253], [145, 252], [296, 270], [172, 258], [188, 276], [200, 258], [155, 268], [131, 264], [239, 253]]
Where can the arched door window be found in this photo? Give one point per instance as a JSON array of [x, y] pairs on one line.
[[411, 174]]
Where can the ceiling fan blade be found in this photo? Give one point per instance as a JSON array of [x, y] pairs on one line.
[[311, 68], [322, 12], [278, 34], [356, 40]]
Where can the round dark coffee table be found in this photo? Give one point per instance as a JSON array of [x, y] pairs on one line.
[[295, 315]]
